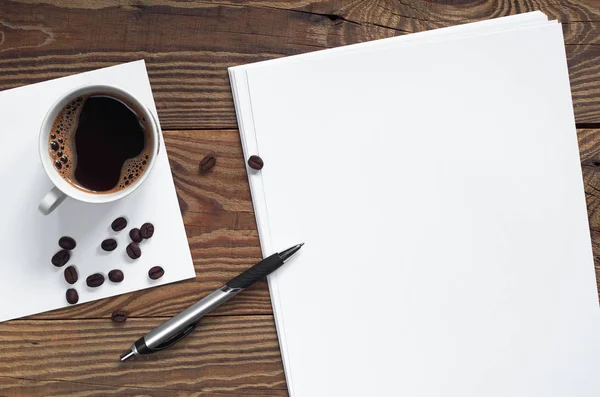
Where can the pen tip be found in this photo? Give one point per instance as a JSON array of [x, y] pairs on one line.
[[285, 255], [127, 355]]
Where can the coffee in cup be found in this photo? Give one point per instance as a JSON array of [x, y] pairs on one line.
[[97, 144], [100, 142]]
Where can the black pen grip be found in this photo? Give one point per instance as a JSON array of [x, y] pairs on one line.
[[256, 272]]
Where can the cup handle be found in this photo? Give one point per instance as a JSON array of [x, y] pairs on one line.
[[51, 200]]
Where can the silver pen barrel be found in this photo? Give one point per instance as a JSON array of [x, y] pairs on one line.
[[189, 316], [175, 329]]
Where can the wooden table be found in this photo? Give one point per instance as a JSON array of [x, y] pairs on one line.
[[188, 46]]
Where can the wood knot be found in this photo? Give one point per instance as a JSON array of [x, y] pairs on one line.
[[16, 36]]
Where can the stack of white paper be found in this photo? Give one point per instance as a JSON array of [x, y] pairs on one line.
[[435, 180]]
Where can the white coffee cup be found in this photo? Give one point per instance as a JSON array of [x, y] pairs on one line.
[[62, 188]]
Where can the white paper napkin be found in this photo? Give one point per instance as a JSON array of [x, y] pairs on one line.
[[29, 283]]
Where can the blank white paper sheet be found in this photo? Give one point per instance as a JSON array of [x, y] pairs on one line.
[[435, 179], [30, 283]]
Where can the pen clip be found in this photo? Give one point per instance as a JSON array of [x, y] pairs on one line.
[[177, 337]]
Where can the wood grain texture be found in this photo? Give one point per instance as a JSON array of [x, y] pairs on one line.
[[27, 387], [236, 355], [224, 188], [189, 45], [589, 148]]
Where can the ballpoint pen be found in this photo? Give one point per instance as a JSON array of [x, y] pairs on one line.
[[178, 327]]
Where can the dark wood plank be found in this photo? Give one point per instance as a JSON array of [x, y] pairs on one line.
[[224, 188], [589, 148], [33, 388], [236, 355], [189, 45]]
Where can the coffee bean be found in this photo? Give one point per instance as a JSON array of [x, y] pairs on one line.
[[134, 251], [119, 224], [147, 230], [61, 258], [116, 276], [207, 162], [67, 243], [71, 275], [72, 296], [95, 280], [156, 272], [109, 244], [255, 162], [119, 316], [135, 235]]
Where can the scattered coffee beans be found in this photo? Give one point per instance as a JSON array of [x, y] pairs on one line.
[[67, 243], [255, 162], [207, 162], [71, 275], [147, 230], [156, 272], [134, 251], [109, 244], [119, 316], [72, 296], [95, 280], [116, 276], [119, 224], [135, 235], [61, 258]]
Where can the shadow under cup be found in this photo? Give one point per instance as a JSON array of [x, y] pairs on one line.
[[100, 142]]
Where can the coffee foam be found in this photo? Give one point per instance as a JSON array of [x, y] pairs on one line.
[[62, 136]]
